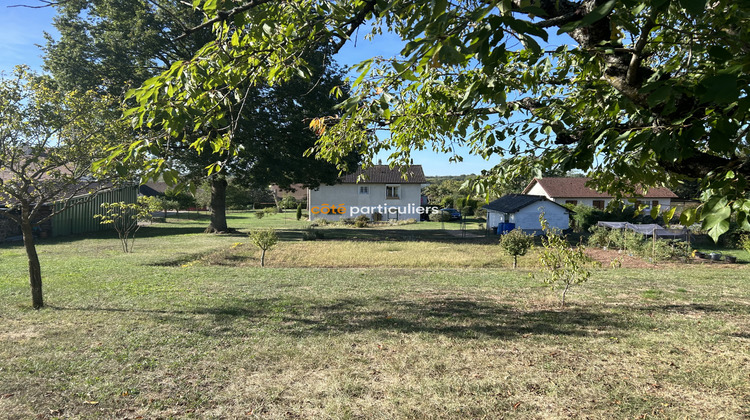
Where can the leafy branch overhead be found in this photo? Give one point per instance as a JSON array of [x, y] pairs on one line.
[[636, 92]]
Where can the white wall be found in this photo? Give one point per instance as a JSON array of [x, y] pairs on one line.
[[356, 203], [664, 202], [538, 190], [528, 217]]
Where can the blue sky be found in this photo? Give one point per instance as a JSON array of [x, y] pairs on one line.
[[22, 29]]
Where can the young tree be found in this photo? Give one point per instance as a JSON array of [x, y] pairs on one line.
[[125, 218], [299, 211], [561, 263], [516, 243], [264, 239], [48, 143], [636, 92]]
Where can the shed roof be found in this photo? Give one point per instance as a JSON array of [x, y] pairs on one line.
[[384, 174], [512, 203], [576, 188]]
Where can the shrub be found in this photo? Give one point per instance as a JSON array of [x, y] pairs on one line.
[[600, 237], [744, 243], [259, 214], [360, 223], [447, 202], [362, 218], [410, 221], [586, 216], [299, 211], [265, 239], [376, 217], [312, 234], [270, 210], [440, 216], [516, 243], [347, 221], [288, 202]]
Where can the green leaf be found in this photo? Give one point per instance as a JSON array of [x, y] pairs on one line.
[[655, 211], [694, 7], [721, 88], [592, 17], [668, 215], [717, 221], [689, 217]]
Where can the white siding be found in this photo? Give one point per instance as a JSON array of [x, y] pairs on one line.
[[664, 202], [528, 217], [348, 195]]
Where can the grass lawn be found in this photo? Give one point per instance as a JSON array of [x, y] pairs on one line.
[[424, 325]]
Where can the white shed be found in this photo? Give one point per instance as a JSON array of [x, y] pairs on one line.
[[524, 210]]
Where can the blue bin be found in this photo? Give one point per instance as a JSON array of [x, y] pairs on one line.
[[503, 228]]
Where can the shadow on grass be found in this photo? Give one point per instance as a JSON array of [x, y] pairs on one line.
[[452, 317]]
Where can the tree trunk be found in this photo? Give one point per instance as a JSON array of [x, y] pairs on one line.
[[218, 205], [263, 258], [515, 261], [35, 270]]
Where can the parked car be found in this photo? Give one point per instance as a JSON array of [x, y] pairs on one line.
[[455, 214]]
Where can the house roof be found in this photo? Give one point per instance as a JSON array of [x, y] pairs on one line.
[[153, 189], [383, 174], [512, 203], [576, 188], [298, 191]]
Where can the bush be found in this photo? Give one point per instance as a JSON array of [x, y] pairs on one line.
[[377, 217], [259, 214], [299, 211], [312, 234], [516, 243], [362, 218], [447, 202], [407, 222], [270, 211], [347, 221], [288, 202], [360, 223], [600, 237], [440, 216]]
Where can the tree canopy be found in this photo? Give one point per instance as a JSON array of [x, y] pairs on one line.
[[639, 92]]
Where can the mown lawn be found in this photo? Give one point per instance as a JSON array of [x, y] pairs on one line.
[[188, 327]]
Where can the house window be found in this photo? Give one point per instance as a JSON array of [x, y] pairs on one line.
[[599, 204], [573, 202], [654, 203], [392, 192], [363, 189]]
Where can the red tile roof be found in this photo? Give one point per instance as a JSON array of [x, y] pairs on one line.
[[383, 174], [576, 188]]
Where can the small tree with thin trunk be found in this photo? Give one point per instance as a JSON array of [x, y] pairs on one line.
[[125, 218], [49, 142], [561, 264], [264, 239], [516, 244]]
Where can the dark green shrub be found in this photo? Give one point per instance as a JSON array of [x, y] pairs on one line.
[[360, 223], [299, 211], [516, 243], [440, 216]]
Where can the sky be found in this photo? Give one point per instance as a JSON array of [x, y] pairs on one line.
[[22, 32]]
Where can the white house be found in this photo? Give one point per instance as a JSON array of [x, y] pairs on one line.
[[524, 210], [389, 192], [574, 191]]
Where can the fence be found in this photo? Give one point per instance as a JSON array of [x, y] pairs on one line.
[[79, 216]]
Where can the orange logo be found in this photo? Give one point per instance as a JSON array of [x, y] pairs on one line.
[[329, 209]]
